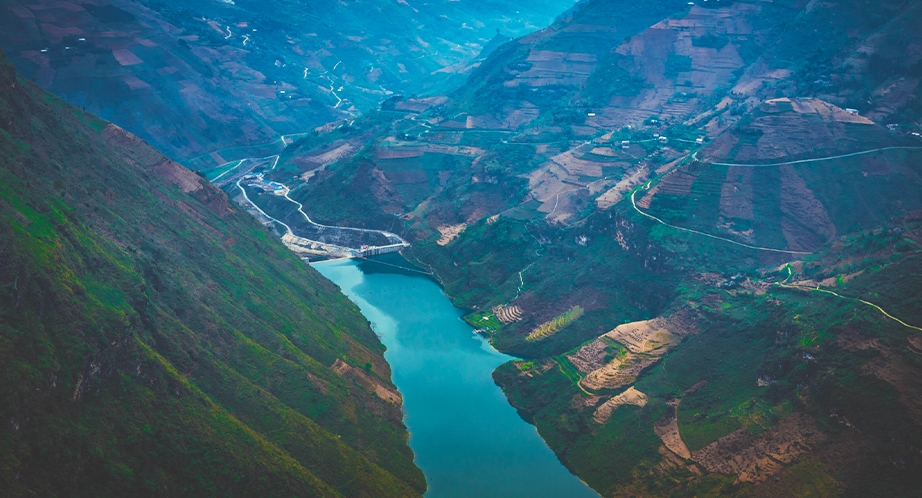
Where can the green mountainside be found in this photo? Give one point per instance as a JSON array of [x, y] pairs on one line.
[[156, 340], [758, 385]]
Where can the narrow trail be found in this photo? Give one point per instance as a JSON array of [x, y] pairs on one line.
[[578, 375], [878, 308], [521, 282], [758, 248], [239, 163]]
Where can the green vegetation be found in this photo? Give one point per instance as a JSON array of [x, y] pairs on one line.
[[613, 77], [756, 359], [676, 64], [155, 339], [484, 320]]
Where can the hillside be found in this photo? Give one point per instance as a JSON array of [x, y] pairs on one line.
[[155, 339], [195, 78], [641, 200], [750, 385], [696, 223], [530, 166]]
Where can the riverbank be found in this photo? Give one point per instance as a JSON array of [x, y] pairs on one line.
[[467, 438]]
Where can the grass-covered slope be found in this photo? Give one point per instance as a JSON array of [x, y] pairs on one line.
[[155, 339]]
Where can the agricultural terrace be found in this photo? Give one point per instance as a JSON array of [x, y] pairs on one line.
[[484, 320], [550, 328]]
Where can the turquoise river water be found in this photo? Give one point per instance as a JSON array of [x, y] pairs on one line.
[[468, 439]]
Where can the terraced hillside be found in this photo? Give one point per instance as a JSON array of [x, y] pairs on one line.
[[155, 339]]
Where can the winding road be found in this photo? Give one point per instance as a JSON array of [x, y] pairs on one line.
[[694, 157], [758, 248], [824, 291], [805, 161]]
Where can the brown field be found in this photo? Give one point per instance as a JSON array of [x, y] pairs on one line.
[[449, 233], [126, 57], [631, 179], [555, 68], [576, 166], [649, 337], [667, 429], [398, 152], [757, 458], [420, 105], [605, 151], [798, 203], [405, 177], [793, 128], [891, 96], [507, 314], [134, 82], [646, 341], [630, 397], [618, 372], [736, 194], [367, 381]]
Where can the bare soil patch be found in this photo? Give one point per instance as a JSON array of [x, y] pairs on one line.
[[632, 178], [757, 458], [367, 381], [799, 204], [630, 397], [667, 429], [449, 233], [645, 343]]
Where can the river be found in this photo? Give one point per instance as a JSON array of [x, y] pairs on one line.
[[468, 440]]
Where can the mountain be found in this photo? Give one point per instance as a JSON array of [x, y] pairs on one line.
[[197, 78], [541, 153], [156, 339], [697, 224]]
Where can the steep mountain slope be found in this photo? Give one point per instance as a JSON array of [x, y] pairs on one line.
[[155, 339], [193, 78]]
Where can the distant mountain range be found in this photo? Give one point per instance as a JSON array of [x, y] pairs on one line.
[[193, 78]]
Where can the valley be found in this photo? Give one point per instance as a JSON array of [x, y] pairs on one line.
[[687, 235]]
